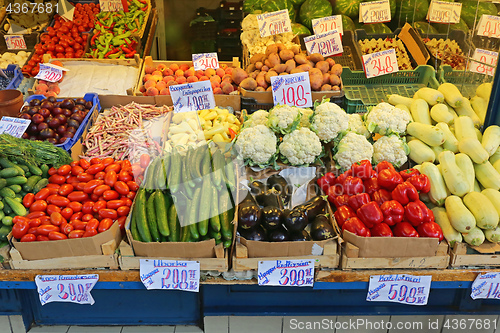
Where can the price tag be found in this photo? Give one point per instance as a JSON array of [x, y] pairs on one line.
[[444, 12], [170, 274], [65, 9], [326, 44], [202, 61], [66, 288], [14, 126], [274, 23], [15, 42], [15, 29], [485, 57], [290, 273], [489, 26], [486, 285], [380, 63], [399, 288], [192, 96], [329, 23], [292, 89], [111, 5], [375, 11], [50, 72]]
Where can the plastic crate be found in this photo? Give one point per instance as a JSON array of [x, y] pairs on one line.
[[251, 105], [87, 122], [466, 81], [18, 76], [456, 35], [361, 92], [204, 30]]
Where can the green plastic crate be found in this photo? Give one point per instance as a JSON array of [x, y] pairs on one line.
[[362, 93], [466, 81]]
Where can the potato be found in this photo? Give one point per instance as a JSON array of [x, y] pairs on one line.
[[274, 59], [270, 74], [336, 69], [300, 59], [260, 89], [257, 57], [316, 80], [286, 55], [315, 71], [248, 84], [315, 57], [270, 88], [295, 49], [280, 46], [265, 68], [261, 80], [238, 75], [326, 87], [306, 67], [290, 64], [280, 68], [296, 70], [268, 63], [284, 73], [254, 74], [258, 65], [310, 63], [273, 48], [323, 66], [335, 88], [326, 78], [251, 68], [334, 80], [330, 61]]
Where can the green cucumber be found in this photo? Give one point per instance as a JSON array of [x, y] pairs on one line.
[[142, 222], [16, 188], [4, 231], [17, 180], [151, 215], [19, 197], [25, 168], [34, 170], [16, 207], [133, 225], [1, 205], [9, 172], [186, 174], [30, 184], [42, 183], [185, 234], [225, 221], [204, 209], [227, 244], [161, 213], [45, 170], [161, 175], [2, 214], [217, 167], [215, 235], [214, 212], [3, 183], [230, 174], [6, 209], [166, 168], [206, 164], [7, 220], [195, 165], [173, 224], [5, 163], [193, 216], [7, 192], [151, 173], [174, 176]]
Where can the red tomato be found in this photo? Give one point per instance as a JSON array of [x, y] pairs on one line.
[[57, 179], [113, 167], [124, 176], [95, 168], [28, 200], [133, 186], [64, 170], [18, 218], [90, 233], [121, 222], [144, 161], [123, 211], [67, 213], [42, 238], [101, 204], [99, 190], [53, 191], [126, 165], [107, 161], [92, 224], [78, 196], [52, 171], [35, 215], [75, 206], [38, 206], [100, 175], [87, 217], [65, 189], [53, 186], [53, 208], [35, 70], [80, 186], [35, 223], [28, 238], [74, 164], [127, 201], [121, 188], [87, 207], [76, 170], [20, 229], [79, 225], [66, 228], [94, 197], [105, 224], [84, 164], [85, 177], [45, 220], [76, 216], [110, 178], [108, 213], [72, 180], [110, 195], [58, 200], [95, 160], [44, 229], [115, 204], [76, 234], [55, 235], [91, 185], [57, 218], [131, 195], [32, 231]]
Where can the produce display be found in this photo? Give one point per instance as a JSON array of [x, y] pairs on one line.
[[376, 45], [10, 58], [29, 19], [448, 51], [84, 17]]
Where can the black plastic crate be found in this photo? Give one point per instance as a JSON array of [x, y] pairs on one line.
[[203, 46], [204, 30], [251, 105], [229, 42]]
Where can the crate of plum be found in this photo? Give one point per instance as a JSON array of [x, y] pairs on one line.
[[59, 121], [14, 77]]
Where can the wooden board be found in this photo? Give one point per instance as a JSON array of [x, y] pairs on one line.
[[460, 257], [4, 252]]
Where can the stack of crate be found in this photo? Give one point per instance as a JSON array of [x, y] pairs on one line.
[[204, 33], [230, 15]]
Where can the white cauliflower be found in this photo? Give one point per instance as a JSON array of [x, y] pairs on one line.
[[391, 149], [356, 125], [257, 118], [284, 119], [257, 145], [385, 119], [301, 147], [329, 121], [351, 149], [250, 22], [306, 117]]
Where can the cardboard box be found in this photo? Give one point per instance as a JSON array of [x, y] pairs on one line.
[[413, 42]]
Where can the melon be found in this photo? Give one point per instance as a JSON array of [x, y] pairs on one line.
[[299, 29], [469, 8], [275, 5], [347, 23], [346, 7], [313, 9], [411, 10], [377, 28], [443, 28], [424, 28]]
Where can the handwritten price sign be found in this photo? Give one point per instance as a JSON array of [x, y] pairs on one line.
[[274, 23], [202, 61], [192, 96], [14, 126], [486, 58], [111, 5], [290, 273], [444, 12], [15, 42], [326, 44], [399, 288], [380, 63], [326, 24], [293, 89], [51, 73], [66, 288], [170, 274], [489, 26], [375, 11]]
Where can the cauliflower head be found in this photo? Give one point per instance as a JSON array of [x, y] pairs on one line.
[[300, 147], [284, 119], [257, 118], [356, 125], [385, 119], [305, 121], [351, 149], [329, 120], [257, 145], [391, 149]]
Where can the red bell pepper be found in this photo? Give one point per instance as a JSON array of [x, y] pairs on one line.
[[353, 185], [371, 185], [381, 230], [389, 179], [330, 178], [421, 183], [370, 214], [323, 184], [342, 214], [416, 213], [357, 227], [404, 229], [381, 196], [430, 229], [393, 212], [409, 173], [362, 169], [341, 178], [336, 198], [404, 193], [358, 200], [384, 165]]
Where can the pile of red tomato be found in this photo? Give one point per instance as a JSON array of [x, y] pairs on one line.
[[81, 200]]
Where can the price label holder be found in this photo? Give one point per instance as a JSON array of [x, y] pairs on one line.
[[489, 26], [326, 24], [170, 274], [66, 10], [192, 96], [375, 12], [288, 273], [50, 72], [202, 61], [485, 63], [326, 44], [14, 126], [66, 288], [274, 23], [380, 63], [15, 29], [444, 12], [111, 5], [292, 89], [399, 288], [487, 286], [15, 42]]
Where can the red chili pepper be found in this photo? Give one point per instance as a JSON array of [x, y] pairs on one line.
[[430, 229], [353, 185], [389, 179], [125, 49], [358, 200], [113, 51], [342, 214], [92, 40], [370, 214], [371, 185], [131, 54], [381, 196], [362, 169], [408, 173], [384, 165], [404, 193], [416, 213], [421, 183], [381, 230], [338, 200], [393, 212], [404, 229], [232, 133], [357, 227]]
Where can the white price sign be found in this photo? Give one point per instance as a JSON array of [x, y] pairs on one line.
[[51, 73], [290, 273], [14, 126], [486, 58], [202, 61], [486, 285], [326, 44], [15, 42], [110, 5], [192, 96], [489, 26], [375, 12], [274, 23], [326, 24], [292, 89], [380, 63], [170, 274], [66, 288], [66, 10], [444, 12], [399, 288]]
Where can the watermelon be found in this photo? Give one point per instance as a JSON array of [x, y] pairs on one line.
[[313, 9], [469, 8], [346, 7], [297, 3], [347, 23], [299, 29], [411, 10], [443, 28], [251, 6], [424, 28], [376, 28], [275, 5]]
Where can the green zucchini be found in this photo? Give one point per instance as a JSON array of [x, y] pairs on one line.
[[142, 223], [151, 215], [161, 213]]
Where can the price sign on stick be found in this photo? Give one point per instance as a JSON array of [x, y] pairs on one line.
[[14, 126], [66, 288], [375, 11], [50, 72], [192, 96], [111, 5], [399, 288], [380, 63], [326, 44], [444, 12], [292, 89], [487, 62], [486, 285], [290, 273], [489, 26], [326, 24], [274, 23], [170, 274], [202, 61], [15, 42]]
